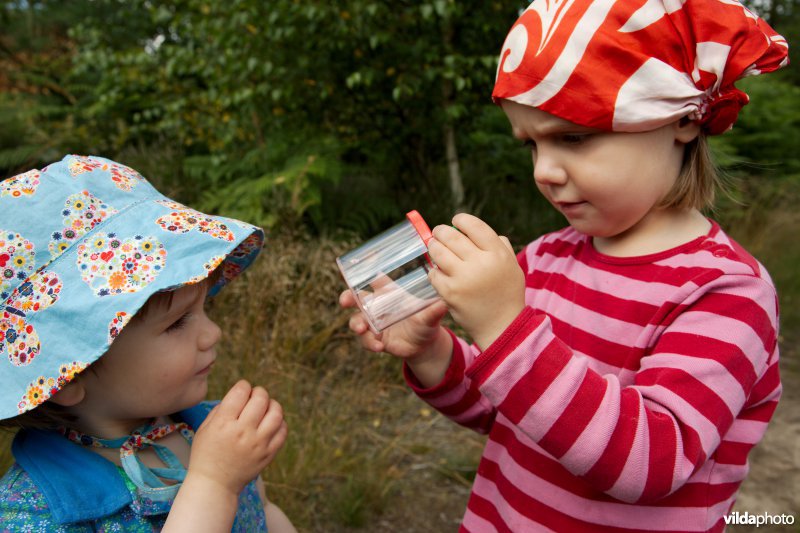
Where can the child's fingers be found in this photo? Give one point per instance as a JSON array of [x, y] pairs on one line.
[[256, 406], [271, 419], [445, 259], [277, 440], [347, 299], [234, 401], [456, 242], [369, 340], [358, 324], [211, 414], [507, 243], [477, 230], [439, 280], [373, 344], [431, 315]]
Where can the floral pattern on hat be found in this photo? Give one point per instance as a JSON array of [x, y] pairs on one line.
[[250, 245], [230, 270], [239, 258], [208, 268], [17, 334], [111, 265], [17, 261], [21, 185], [81, 229], [115, 328], [183, 219], [81, 213], [43, 388], [123, 177]]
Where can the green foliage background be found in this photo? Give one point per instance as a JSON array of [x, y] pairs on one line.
[[325, 115]]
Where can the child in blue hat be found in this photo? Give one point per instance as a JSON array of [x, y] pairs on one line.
[[105, 352]]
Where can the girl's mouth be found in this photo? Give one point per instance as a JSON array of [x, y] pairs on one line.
[[569, 208], [205, 370]]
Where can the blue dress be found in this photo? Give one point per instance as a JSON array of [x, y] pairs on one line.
[[57, 486]]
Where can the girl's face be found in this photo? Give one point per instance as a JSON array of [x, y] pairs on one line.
[[606, 184], [158, 365]]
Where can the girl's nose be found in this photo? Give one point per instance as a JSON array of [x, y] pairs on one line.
[[547, 170], [210, 334]]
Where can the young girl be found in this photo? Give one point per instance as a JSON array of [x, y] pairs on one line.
[[624, 366], [106, 355]]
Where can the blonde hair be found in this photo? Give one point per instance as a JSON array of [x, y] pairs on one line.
[[699, 180]]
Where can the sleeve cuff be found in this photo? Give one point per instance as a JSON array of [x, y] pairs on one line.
[[451, 378], [522, 326]]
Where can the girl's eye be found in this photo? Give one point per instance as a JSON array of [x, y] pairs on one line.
[[529, 144], [178, 324], [573, 138]]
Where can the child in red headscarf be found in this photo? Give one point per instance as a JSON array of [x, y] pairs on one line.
[[624, 366]]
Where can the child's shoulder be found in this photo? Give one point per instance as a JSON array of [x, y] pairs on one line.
[[731, 257]]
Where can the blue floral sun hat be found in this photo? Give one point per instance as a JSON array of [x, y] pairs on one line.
[[83, 244]]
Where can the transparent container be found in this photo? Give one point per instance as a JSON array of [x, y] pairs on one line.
[[388, 274]]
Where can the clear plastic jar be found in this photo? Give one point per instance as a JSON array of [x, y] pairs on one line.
[[388, 274]]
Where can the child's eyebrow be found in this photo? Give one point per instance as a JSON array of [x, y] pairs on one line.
[[551, 127], [188, 297], [165, 306]]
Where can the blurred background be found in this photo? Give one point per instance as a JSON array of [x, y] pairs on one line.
[[325, 122]]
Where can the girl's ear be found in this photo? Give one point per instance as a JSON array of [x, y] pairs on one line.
[[686, 130], [72, 394]]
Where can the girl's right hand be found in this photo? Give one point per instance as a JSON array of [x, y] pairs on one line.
[[238, 438], [418, 337]]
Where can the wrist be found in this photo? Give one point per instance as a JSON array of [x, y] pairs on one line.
[[203, 503], [430, 366], [200, 483], [440, 347], [485, 336]]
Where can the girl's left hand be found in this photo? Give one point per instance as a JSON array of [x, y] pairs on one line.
[[478, 276]]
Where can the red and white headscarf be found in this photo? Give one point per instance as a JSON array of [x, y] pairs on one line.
[[636, 65]]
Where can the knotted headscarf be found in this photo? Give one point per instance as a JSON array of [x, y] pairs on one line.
[[636, 65]]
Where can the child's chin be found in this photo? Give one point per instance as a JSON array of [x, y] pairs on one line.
[[197, 394]]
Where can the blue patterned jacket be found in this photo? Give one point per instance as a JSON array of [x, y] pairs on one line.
[[57, 486]]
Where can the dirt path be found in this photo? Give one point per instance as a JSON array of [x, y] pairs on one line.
[[773, 485]]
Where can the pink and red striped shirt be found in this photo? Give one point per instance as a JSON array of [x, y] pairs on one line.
[[628, 393]]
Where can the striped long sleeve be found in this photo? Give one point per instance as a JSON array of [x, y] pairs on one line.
[[627, 394]]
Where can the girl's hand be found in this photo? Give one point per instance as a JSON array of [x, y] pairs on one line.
[[238, 439], [417, 337], [478, 277]]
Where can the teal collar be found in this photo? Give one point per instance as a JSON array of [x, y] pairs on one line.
[[147, 480], [78, 484]]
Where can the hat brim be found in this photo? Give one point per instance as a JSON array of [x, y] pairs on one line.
[[118, 269]]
